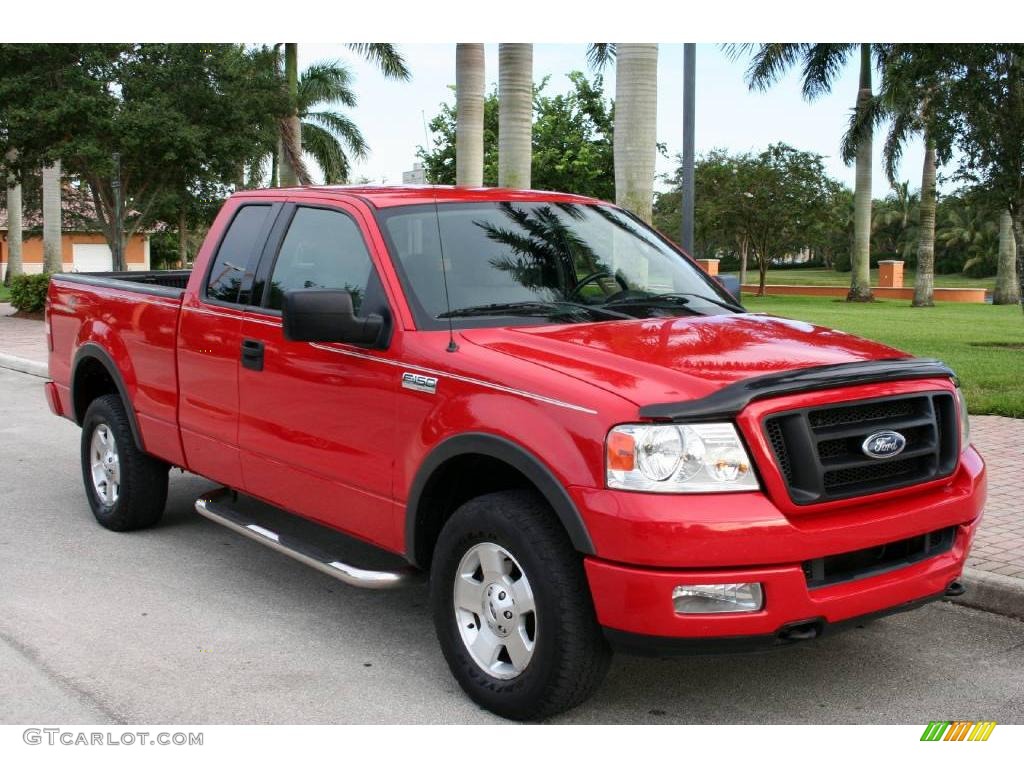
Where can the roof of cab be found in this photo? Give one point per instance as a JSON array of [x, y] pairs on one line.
[[390, 196]]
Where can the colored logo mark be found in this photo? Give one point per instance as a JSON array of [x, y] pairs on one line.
[[958, 730]]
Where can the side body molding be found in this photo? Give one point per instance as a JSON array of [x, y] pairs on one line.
[[515, 456]]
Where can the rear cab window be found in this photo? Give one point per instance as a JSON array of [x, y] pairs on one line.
[[232, 268]]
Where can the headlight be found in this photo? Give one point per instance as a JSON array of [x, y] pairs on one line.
[[678, 458], [965, 422]]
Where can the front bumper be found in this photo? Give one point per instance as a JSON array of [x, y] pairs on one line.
[[760, 544]]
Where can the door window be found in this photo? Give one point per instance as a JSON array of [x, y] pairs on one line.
[[323, 249]]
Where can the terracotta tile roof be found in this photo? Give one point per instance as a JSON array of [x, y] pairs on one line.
[[78, 212]]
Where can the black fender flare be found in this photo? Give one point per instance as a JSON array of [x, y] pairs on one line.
[[92, 351], [515, 456]]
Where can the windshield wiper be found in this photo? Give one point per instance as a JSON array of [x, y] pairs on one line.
[[680, 298], [533, 309]]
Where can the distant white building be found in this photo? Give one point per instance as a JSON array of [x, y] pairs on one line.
[[416, 176]]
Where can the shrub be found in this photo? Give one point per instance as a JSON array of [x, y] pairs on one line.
[[28, 292]]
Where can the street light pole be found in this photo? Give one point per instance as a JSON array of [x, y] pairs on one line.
[[689, 63], [115, 183]]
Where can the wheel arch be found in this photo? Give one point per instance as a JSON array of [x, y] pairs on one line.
[[424, 518], [94, 374]]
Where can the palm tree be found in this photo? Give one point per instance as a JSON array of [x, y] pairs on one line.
[[469, 114], [1007, 289], [327, 135], [53, 261], [14, 263], [515, 114], [330, 130], [820, 63], [909, 95], [969, 228], [636, 118]]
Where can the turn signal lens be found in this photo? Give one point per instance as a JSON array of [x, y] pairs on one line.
[[621, 452]]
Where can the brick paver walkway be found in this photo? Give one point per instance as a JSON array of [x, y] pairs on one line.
[[998, 548], [999, 545], [21, 338]]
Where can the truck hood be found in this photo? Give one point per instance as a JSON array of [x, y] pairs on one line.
[[673, 359]]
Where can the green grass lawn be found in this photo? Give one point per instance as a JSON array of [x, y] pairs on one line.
[[5, 293], [984, 344], [829, 277]]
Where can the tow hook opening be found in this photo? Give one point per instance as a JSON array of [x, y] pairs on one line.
[[801, 630], [955, 588]]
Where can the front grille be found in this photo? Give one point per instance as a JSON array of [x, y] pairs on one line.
[[861, 563], [819, 451]]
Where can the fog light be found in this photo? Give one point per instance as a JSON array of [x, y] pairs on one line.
[[717, 598]]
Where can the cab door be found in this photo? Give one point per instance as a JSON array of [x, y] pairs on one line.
[[317, 421], [209, 333]]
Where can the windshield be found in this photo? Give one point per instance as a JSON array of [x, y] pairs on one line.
[[546, 262]]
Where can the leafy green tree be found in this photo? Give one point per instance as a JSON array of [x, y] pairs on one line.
[[572, 141], [769, 205], [179, 115], [968, 232], [986, 112]]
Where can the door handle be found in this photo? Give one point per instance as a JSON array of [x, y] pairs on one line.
[[252, 354]]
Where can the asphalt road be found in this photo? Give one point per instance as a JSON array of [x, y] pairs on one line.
[[189, 623]]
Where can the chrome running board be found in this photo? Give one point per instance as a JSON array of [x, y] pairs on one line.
[[240, 515]]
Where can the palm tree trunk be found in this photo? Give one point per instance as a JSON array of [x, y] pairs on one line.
[[744, 252], [1018, 236], [52, 259], [14, 263], [291, 133], [924, 283], [636, 115], [1007, 289], [469, 114], [515, 114], [275, 178], [860, 274], [182, 238]]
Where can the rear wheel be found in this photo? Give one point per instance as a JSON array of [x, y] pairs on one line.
[[126, 488], [512, 608]]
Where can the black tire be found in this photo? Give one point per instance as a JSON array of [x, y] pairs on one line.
[[570, 656], [142, 492]]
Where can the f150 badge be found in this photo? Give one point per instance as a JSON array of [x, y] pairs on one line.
[[884, 444], [419, 382]]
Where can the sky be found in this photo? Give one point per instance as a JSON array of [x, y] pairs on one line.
[[728, 115]]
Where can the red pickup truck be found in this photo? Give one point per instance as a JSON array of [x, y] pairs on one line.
[[534, 399]]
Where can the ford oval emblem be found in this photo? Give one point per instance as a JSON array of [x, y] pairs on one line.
[[883, 445]]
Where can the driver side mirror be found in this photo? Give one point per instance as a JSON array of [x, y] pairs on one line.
[[325, 314], [731, 283]]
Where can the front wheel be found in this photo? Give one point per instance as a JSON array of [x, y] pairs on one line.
[[512, 608], [127, 489]]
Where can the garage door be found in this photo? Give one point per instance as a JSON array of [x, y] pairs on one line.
[[92, 257]]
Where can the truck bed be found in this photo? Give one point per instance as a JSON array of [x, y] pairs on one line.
[[126, 323], [155, 282]]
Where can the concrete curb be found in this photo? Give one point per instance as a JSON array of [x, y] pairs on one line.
[[23, 365], [993, 593]]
